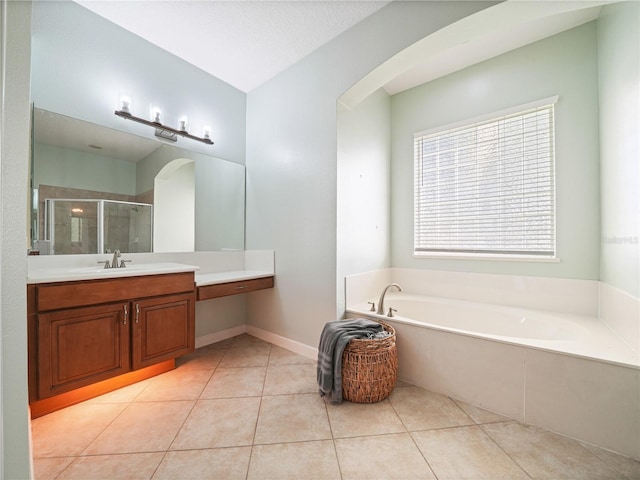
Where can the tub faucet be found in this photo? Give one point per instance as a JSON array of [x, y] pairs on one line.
[[380, 310]]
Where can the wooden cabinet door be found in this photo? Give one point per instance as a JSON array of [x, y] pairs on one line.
[[80, 346], [162, 328]]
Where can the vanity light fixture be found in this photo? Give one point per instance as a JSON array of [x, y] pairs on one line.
[[162, 131]]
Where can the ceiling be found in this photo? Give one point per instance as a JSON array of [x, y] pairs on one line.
[[247, 42], [242, 42]]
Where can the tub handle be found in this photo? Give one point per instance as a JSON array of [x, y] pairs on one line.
[[373, 306], [391, 310]]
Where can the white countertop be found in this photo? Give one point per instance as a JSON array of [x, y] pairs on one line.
[[203, 279], [67, 274]]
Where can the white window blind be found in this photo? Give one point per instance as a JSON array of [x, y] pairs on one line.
[[488, 187]]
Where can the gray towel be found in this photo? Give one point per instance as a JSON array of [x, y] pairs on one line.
[[335, 337]]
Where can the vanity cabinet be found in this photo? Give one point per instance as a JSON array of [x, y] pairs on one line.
[[77, 347], [82, 333], [162, 329]]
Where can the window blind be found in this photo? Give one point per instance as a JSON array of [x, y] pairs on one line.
[[487, 187]]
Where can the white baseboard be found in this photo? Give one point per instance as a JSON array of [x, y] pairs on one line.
[[219, 336], [286, 343]]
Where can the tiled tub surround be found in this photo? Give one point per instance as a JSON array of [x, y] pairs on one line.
[[589, 389]]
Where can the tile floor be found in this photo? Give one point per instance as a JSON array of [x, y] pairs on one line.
[[246, 409]]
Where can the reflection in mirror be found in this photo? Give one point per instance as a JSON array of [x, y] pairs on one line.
[[96, 189], [95, 226]]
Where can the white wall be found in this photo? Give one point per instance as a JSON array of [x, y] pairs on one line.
[[619, 77], [174, 208], [292, 167], [15, 30], [564, 65], [363, 187]]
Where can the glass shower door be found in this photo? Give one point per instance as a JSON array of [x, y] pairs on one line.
[[127, 227], [72, 226]]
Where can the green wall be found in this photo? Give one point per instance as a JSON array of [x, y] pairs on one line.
[[62, 167], [564, 65]]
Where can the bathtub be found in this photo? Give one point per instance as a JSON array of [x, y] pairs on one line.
[[578, 335], [564, 372]]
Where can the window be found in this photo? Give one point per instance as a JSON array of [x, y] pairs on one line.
[[488, 186]]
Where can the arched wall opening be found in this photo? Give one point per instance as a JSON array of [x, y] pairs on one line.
[[174, 207]]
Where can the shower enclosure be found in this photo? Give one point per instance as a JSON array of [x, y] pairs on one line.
[[97, 226]]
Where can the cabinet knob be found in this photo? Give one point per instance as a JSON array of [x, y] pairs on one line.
[[126, 313], [137, 312]]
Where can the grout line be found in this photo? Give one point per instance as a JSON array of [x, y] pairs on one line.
[[255, 426], [488, 434]]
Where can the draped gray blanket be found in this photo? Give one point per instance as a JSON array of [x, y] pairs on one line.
[[335, 337]]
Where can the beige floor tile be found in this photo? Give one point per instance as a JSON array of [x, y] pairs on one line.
[[387, 457], [361, 419], [546, 455], [235, 382], [245, 357], [480, 415], [142, 427], [281, 356], [224, 422], [176, 385], [219, 463], [122, 395], [290, 379], [113, 467], [292, 418], [303, 460], [466, 453], [48, 468], [69, 431], [246, 340], [628, 467], [420, 409], [206, 358]]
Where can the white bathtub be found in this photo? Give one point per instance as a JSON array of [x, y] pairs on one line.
[[578, 335], [541, 357]]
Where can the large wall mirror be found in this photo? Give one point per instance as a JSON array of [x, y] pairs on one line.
[[95, 189]]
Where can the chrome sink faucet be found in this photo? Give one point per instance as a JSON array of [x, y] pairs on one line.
[[114, 260], [380, 310]]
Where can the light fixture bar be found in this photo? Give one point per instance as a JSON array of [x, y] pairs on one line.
[[162, 131]]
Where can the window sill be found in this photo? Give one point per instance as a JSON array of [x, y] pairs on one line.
[[485, 257]]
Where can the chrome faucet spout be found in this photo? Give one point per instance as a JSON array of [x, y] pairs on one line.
[[114, 260], [380, 310]]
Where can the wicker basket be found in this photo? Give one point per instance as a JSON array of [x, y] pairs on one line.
[[370, 368]]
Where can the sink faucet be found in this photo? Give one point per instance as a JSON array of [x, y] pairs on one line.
[[380, 310], [114, 260]]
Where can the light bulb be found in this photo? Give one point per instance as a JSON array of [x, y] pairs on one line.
[[206, 132], [125, 104], [155, 114]]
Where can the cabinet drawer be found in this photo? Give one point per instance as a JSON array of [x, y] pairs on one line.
[[53, 296], [206, 292]]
